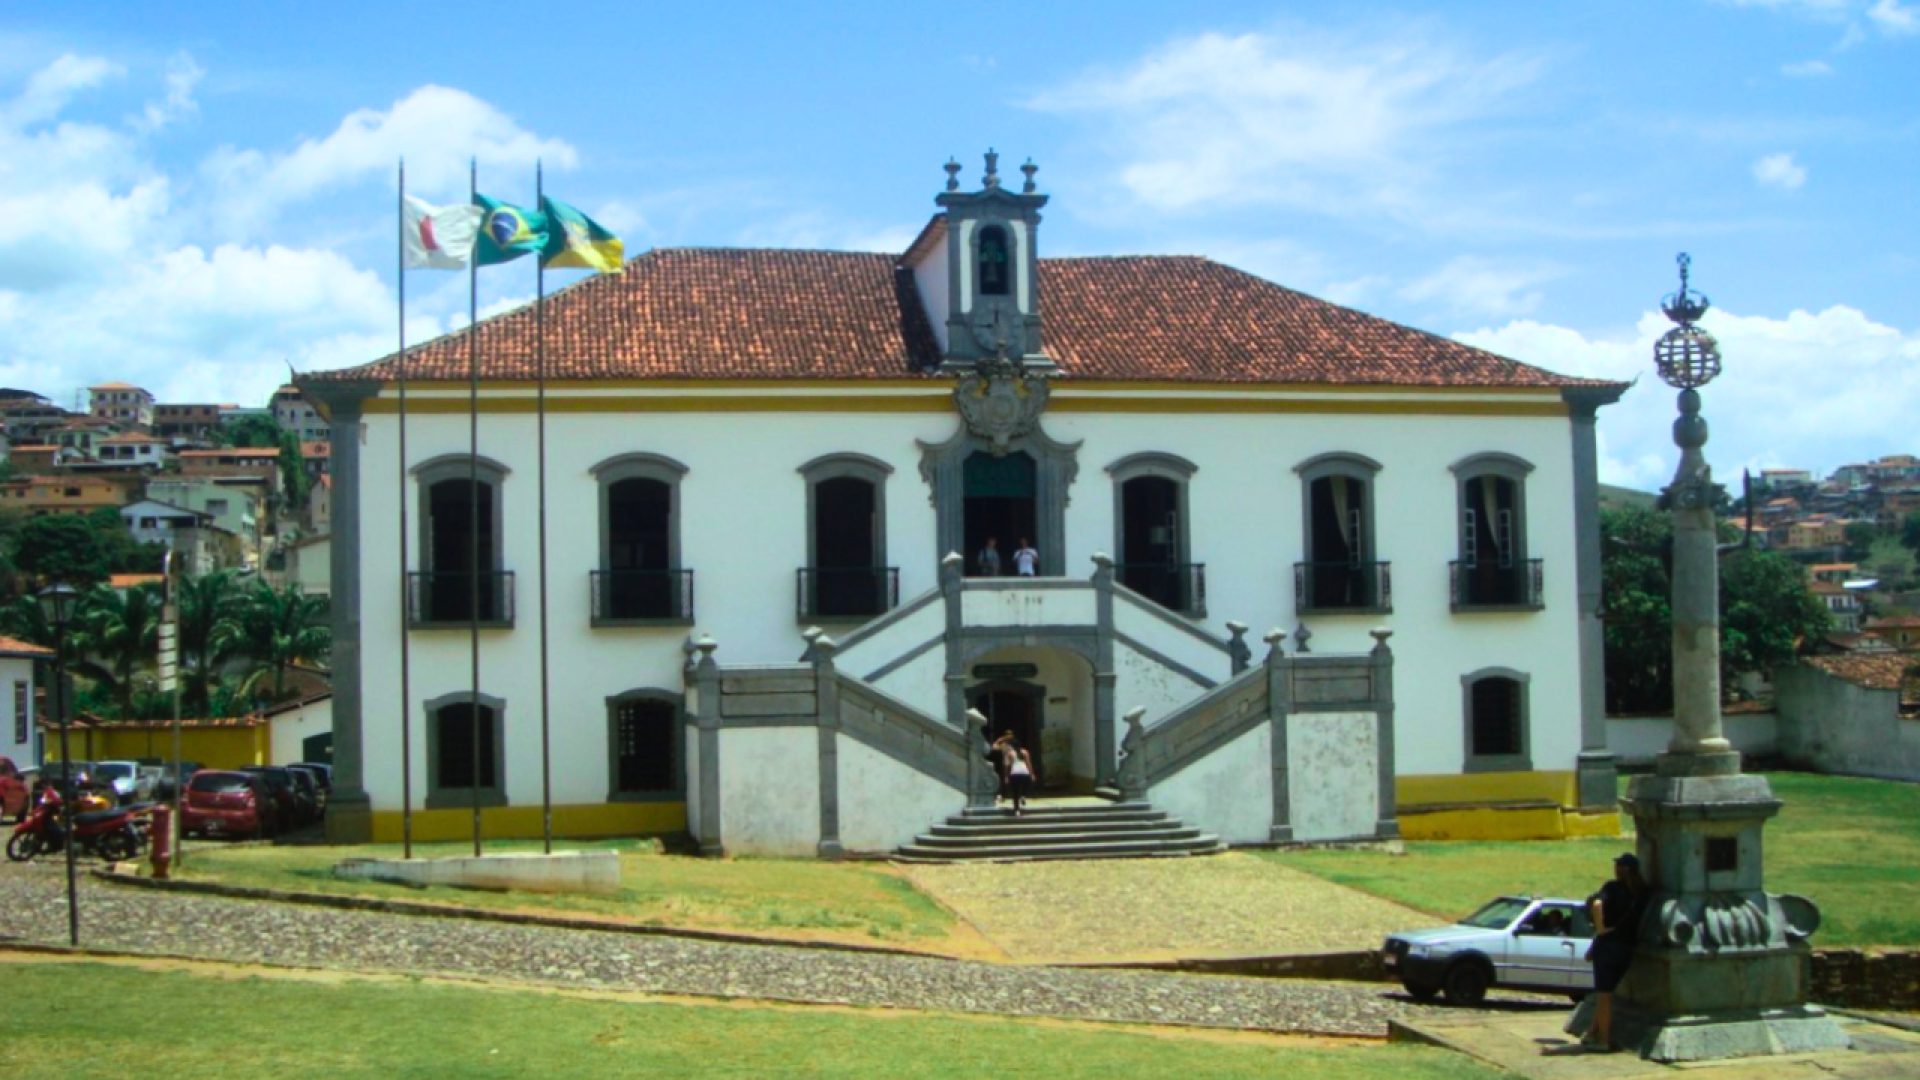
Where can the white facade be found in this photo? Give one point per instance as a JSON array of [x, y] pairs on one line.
[[743, 520], [17, 735]]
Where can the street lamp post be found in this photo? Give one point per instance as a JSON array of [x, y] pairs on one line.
[[57, 603]]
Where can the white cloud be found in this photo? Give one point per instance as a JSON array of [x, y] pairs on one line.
[[109, 270], [1811, 390], [1470, 285], [1779, 171], [50, 89], [1893, 18], [183, 75], [437, 129], [1806, 69], [1296, 119]]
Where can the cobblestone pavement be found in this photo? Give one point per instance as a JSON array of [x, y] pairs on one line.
[[1233, 904], [33, 901]]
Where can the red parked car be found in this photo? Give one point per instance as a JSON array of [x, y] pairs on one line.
[[223, 803], [15, 799]]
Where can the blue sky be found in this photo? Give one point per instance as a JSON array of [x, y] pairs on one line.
[[200, 195]]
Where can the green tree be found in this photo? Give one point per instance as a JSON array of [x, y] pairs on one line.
[[118, 635], [1766, 610], [124, 554], [1910, 531], [275, 629], [205, 602], [62, 547], [265, 431], [1860, 536]]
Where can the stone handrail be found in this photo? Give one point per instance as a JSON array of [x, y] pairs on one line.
[[1150, 754]]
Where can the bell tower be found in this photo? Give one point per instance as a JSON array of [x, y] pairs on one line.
[[993, 292]]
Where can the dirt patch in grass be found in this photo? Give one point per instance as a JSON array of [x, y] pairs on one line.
[[1236, 904]]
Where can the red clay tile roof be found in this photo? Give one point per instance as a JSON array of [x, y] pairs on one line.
[[699, 313], [16, 647], [1875, 671]]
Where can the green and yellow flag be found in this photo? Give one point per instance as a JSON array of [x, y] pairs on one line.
[[576, 240], [507, 231]]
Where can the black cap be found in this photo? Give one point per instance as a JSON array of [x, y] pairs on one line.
[[1629, 860]]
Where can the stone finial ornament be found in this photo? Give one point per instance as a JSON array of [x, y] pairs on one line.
[[992, 179], [1301, 636], [953, 174], [1028, 169]]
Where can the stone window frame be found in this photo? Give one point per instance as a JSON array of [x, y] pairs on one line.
[[641, 465], [675, 745], [439, 797], [843, 465], [1056, 466], [446, 467], [1355, 466], [1479, 763], [437, 470], [1503, 466], [1166, 466]]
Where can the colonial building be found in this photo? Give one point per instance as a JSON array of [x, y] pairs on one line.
[[745, 447]]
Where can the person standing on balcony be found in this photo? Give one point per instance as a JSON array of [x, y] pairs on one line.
[[1026, 561], [987, 563]]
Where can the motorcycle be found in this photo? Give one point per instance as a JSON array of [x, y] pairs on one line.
[[115, 835]]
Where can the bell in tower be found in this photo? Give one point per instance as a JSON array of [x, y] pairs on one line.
[[993, 291]]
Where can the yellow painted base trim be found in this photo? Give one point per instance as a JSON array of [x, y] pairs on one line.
[[1498, 806], [523, 822], [1555, 786]]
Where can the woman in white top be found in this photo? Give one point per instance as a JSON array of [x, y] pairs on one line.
[[1019, 775], [1026, 561]]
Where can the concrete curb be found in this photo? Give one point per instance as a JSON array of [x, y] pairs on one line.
[[1355, 966], [423, 909]]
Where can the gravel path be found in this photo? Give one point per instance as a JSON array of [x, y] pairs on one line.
[[1232, 904], [140, 920]]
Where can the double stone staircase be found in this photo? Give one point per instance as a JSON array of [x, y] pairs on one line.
[[1059, 829]]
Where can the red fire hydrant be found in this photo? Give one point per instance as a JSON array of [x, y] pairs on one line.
[[162, 839]]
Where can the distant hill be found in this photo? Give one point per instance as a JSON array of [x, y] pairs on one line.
[[1611, 495]]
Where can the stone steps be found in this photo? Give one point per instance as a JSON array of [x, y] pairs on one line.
[[1053, 830]]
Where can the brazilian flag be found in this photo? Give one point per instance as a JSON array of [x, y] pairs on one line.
[[576, 240], [507, 231]]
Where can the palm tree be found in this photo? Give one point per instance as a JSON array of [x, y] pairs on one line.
[[204, 602], [275, 629], [117, 634]]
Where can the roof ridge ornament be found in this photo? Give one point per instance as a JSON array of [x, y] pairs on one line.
[[953, 174], [992, 179], [1029, 169]]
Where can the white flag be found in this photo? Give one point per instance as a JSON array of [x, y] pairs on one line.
[[438, 237]]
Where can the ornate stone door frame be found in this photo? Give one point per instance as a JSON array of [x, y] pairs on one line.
[[1056, 464]]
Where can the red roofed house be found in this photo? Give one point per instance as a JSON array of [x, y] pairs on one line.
[[831, 439], [18, 740]]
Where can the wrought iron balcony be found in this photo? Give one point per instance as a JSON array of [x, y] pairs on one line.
[[1487, 585], [642, 597], [448, 598], [845, 592], [1320, 587], [1180, 587]]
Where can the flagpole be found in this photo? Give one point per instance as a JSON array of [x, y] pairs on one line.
[[400, 486], [473, 502], [540, 414]]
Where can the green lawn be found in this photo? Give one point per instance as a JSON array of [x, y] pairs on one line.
[[796, 897], [1852, 845], [121, 1021]]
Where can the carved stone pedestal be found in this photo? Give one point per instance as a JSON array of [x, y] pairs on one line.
[[1722, 966]]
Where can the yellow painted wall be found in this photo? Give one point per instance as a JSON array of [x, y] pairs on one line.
[[1498, 806], [1555, 786], [523, 822], [216, 748]]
